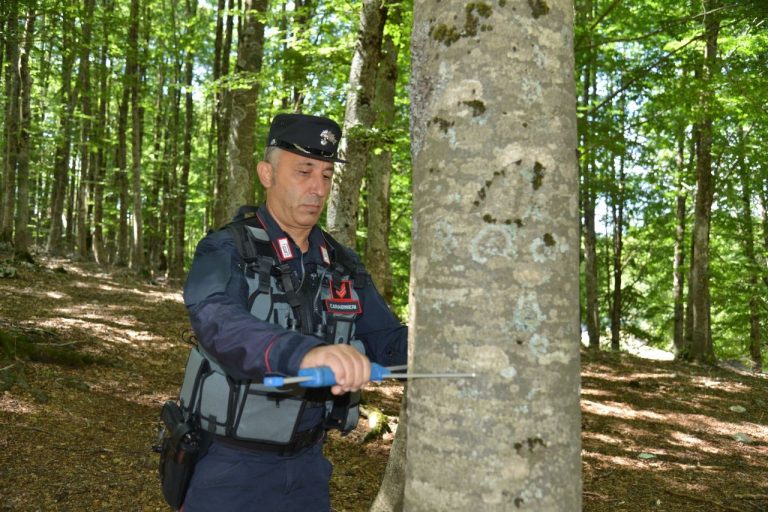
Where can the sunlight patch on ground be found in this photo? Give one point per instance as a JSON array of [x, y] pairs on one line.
[[725, 385], [614, 460], [620, 410], [596, 392], [685, 440], [31, 292], [603, 438], [95, 327], [11, 404]]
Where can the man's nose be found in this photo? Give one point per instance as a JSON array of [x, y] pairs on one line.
[[317, 185]]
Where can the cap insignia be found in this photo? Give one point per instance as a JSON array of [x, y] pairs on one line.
[[327, 136]]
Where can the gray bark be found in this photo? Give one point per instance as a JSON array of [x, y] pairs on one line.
[[244, 106], [21, 234], [754, 283], [358, 121], [701, 333], [137, 250], [495, 259], [63, 147], [679, 255], [392, 491], [11, 126], [379, 174]]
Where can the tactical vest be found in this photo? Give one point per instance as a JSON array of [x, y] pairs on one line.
[[323, 304]]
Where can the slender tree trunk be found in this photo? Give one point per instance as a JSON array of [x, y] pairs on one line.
[[63, 147], [379, 173], [21, 235], [590, 270], [701, 347], [359, 119], [244, 106], [679, 254], [134, 78], [177, 262], [753, 269], [158, 168], [217, 127], [617, 213], [84, 79], [591, 308], [495, 202], [221, 214], [12, 124], [100, 164], [392, 491]]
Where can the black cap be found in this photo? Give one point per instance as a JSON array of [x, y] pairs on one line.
[[309, 136]]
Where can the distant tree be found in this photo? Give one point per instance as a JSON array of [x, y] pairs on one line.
[[359, 118], [12, 122], [21, 234], [380, 168], [701, 348], [244, 106]]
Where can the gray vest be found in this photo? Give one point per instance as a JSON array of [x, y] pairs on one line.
[[247, 410]]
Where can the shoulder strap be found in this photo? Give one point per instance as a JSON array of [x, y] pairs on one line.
[[349, 264]]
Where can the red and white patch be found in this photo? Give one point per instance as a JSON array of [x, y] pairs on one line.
[[342, 302], [324, 254], [284, 250]]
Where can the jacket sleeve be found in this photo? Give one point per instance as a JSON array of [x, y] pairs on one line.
[[216, 296], [385, 338]]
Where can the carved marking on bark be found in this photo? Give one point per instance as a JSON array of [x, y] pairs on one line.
[[494, 240]]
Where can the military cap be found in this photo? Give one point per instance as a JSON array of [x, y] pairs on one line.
[[309, 136]]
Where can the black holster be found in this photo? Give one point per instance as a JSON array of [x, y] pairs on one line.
[[181, 448]]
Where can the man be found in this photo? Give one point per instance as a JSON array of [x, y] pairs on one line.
[[271, 294]]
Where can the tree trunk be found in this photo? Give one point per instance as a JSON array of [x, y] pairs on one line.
[[177, 262], [591, 308], [495, 259], [701, 341], [679, 255], [134, 79], [158, 168], [244, 107], [223, 107], [379, 173], [121, 174], [754, 283], [617, 213], [359, 118], [590, 269], [99, 166], [12, 124], [392, 491], [63, 146], [84, 79], [21, 236]]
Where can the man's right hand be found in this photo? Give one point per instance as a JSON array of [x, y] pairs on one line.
[[351, 368]]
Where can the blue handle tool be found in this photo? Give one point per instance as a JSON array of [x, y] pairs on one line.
[[322, 376]]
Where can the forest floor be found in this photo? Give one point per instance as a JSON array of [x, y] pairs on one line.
[[97, 353]]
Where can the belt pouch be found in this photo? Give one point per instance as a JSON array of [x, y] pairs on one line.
[[180, 451]]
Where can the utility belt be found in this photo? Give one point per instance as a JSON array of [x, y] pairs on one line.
[[301, 441]]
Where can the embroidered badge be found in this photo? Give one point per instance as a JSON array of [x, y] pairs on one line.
[[327, 136], [284, 251], [324, 254], [342, 302]]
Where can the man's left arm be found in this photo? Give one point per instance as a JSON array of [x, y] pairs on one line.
[[384, 336]]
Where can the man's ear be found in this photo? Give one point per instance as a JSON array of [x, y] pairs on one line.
[[265, 172]]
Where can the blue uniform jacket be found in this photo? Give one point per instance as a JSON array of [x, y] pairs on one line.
[[216, 296]]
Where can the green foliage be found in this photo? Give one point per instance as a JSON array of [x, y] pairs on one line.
[[645, 62]]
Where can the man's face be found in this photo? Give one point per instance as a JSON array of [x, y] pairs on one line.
[[297, 188]]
